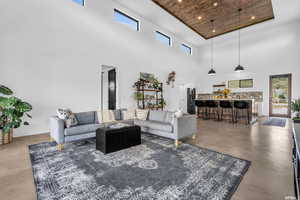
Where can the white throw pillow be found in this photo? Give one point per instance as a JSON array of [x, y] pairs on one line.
[[128, 114], [142, 114], [68, 116], [108, 116], [99, 115]]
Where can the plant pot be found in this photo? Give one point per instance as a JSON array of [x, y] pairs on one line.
[[6, 138]]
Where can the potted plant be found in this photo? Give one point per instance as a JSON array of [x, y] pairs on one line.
[[296, 108], [12, 111], [138, 96]]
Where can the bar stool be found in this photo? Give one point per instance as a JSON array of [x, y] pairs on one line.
[[201, 109], [227, 106], [212, 108], [240, 107]]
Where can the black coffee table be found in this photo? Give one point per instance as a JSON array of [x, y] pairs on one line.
[[109, 140]]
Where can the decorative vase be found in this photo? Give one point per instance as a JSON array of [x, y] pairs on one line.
[[6, 138]]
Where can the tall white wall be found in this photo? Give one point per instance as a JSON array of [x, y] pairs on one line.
[[267, 49], [51, 54]]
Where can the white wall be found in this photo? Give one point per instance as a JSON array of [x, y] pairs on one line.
[[51, 54], [266, 50]]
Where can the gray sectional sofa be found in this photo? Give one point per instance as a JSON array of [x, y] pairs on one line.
[[162, 123]]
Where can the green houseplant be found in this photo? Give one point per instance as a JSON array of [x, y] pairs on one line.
[[12, 112], [296, 108]]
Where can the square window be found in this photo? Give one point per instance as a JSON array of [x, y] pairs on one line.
[[186, 49], [246, 83], [80, 2], [163, 38], [126, 19]]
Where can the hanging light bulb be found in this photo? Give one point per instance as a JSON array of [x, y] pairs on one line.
[[212, 72], [239, 68]]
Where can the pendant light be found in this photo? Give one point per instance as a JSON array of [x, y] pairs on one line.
[[212, 72], [239, 68]]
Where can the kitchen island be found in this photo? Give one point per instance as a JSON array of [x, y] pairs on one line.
[[253, 108]]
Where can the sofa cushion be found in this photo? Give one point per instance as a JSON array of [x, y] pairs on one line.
[[85, 117], [81, 129], [130, 122], [156, 125], [157, 115], [170, 117]]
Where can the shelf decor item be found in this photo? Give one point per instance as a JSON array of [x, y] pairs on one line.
[[12, 111], [296, 108], [149, 93], [226, 92]]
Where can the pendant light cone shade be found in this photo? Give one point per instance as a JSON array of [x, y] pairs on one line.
[[212, 72], [239, 68]]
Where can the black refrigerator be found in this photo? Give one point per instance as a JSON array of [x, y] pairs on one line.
[[191, 97]]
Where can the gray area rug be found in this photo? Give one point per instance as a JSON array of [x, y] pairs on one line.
[[155, 170], [275, 122]]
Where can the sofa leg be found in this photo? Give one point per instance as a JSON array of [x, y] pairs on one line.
[[59, 147], [194, 136], [177, 143]]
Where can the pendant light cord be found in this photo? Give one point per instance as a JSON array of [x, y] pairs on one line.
[[240, 36], [212, 45], [212, 52]]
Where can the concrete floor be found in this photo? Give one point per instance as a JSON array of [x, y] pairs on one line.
[[270, 176]]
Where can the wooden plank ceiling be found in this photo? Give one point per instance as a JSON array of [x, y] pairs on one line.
[[197, 14]]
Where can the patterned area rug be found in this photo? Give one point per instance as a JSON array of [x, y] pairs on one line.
[[275, 122], [155, 170]]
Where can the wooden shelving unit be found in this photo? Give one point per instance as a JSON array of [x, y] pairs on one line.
[[155, 103]]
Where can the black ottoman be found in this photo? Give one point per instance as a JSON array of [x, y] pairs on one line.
[[110, 140]]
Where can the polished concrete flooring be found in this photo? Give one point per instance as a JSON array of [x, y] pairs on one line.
[[268, 148]]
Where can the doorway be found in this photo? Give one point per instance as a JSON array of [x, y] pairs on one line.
[[108, 88], [280, 95]]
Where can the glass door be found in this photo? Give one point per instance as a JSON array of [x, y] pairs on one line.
[[280, 95]]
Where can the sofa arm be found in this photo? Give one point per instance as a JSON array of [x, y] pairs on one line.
[[57, 129], [185, 126]]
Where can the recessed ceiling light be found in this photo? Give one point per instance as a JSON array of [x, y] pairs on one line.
[[199, 18], [179, 1], [215, 4], [253, 17]]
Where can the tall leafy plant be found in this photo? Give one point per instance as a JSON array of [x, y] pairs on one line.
[[12, 110], [296, 107]]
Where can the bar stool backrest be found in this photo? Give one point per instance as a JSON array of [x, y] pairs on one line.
[[211, 104], [225, 104], [241, 104], [199, 103]]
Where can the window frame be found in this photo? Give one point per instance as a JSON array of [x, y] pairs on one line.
[[247, 80], [240, 83], [187, 47], [129, 17], [166, 36]]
